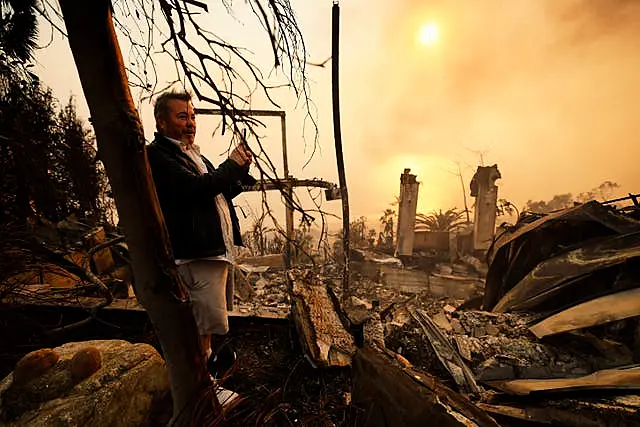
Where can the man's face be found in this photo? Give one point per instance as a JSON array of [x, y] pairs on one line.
[[180, 121]]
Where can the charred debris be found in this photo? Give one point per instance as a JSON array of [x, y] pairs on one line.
[[535, 323]]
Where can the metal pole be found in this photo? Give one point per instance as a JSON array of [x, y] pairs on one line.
[[289, 256], [337, 135]]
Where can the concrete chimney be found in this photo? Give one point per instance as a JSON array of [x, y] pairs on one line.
[[407, 213], [485, 191]]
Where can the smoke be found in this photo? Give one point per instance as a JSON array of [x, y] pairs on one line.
[[550, 90]]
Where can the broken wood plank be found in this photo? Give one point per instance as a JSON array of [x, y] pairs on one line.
[[446, 353], [588, 411], [326, 341], [608, 308], [622, 379], [393, 396], [512, 412], [451, 398]]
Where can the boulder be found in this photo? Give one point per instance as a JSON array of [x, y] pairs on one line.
[[105, 383]]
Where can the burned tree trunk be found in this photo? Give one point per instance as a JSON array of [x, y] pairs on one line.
[[121, 147], [322, 333]]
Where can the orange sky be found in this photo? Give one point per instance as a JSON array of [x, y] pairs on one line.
[[549, 90]]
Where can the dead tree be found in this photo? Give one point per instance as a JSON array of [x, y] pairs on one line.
[[121, 147], [222, 75]]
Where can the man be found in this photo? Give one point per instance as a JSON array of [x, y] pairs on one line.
[[195, 199]]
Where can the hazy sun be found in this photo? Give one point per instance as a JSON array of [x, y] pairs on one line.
[[428, 34]]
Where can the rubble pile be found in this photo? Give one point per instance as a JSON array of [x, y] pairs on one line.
[[559, 323], [268, 297], [547, 331]]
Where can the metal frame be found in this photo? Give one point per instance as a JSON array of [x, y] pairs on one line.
[[285, 161]]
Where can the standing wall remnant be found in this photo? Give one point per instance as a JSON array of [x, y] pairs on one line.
[[485, 191], [407, 207]]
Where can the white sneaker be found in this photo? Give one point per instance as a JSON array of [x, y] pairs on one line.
[[226, 397]]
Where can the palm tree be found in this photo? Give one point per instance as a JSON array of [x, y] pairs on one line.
[[386, 236], [18, 40], [18, 30], [450, 220]]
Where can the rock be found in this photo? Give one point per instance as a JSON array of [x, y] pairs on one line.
[[374, 331], [261, 283], [457, 326], [494, 369], [449, 309], [444, 269], [357, 302], [34, 364], [492, 330], [477, 265], [85, 363], [443, 323], [110, 383]]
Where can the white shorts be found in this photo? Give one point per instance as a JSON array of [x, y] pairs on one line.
[[206, 282]]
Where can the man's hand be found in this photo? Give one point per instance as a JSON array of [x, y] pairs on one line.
[[241, 155]]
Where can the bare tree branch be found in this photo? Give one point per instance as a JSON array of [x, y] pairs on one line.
[[219, 72]]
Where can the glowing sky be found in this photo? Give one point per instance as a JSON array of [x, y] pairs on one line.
[[549, 90]]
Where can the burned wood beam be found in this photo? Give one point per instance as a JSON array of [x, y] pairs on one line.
[[517, 413], [607, 379], [324, 338], [391, 395], [543, 415], [280, 184], [631, 196], [608, 308], [452, 398]]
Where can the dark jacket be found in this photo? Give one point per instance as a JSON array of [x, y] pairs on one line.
[[187, 198]]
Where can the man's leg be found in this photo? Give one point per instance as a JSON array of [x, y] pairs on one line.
[[206, 282]]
